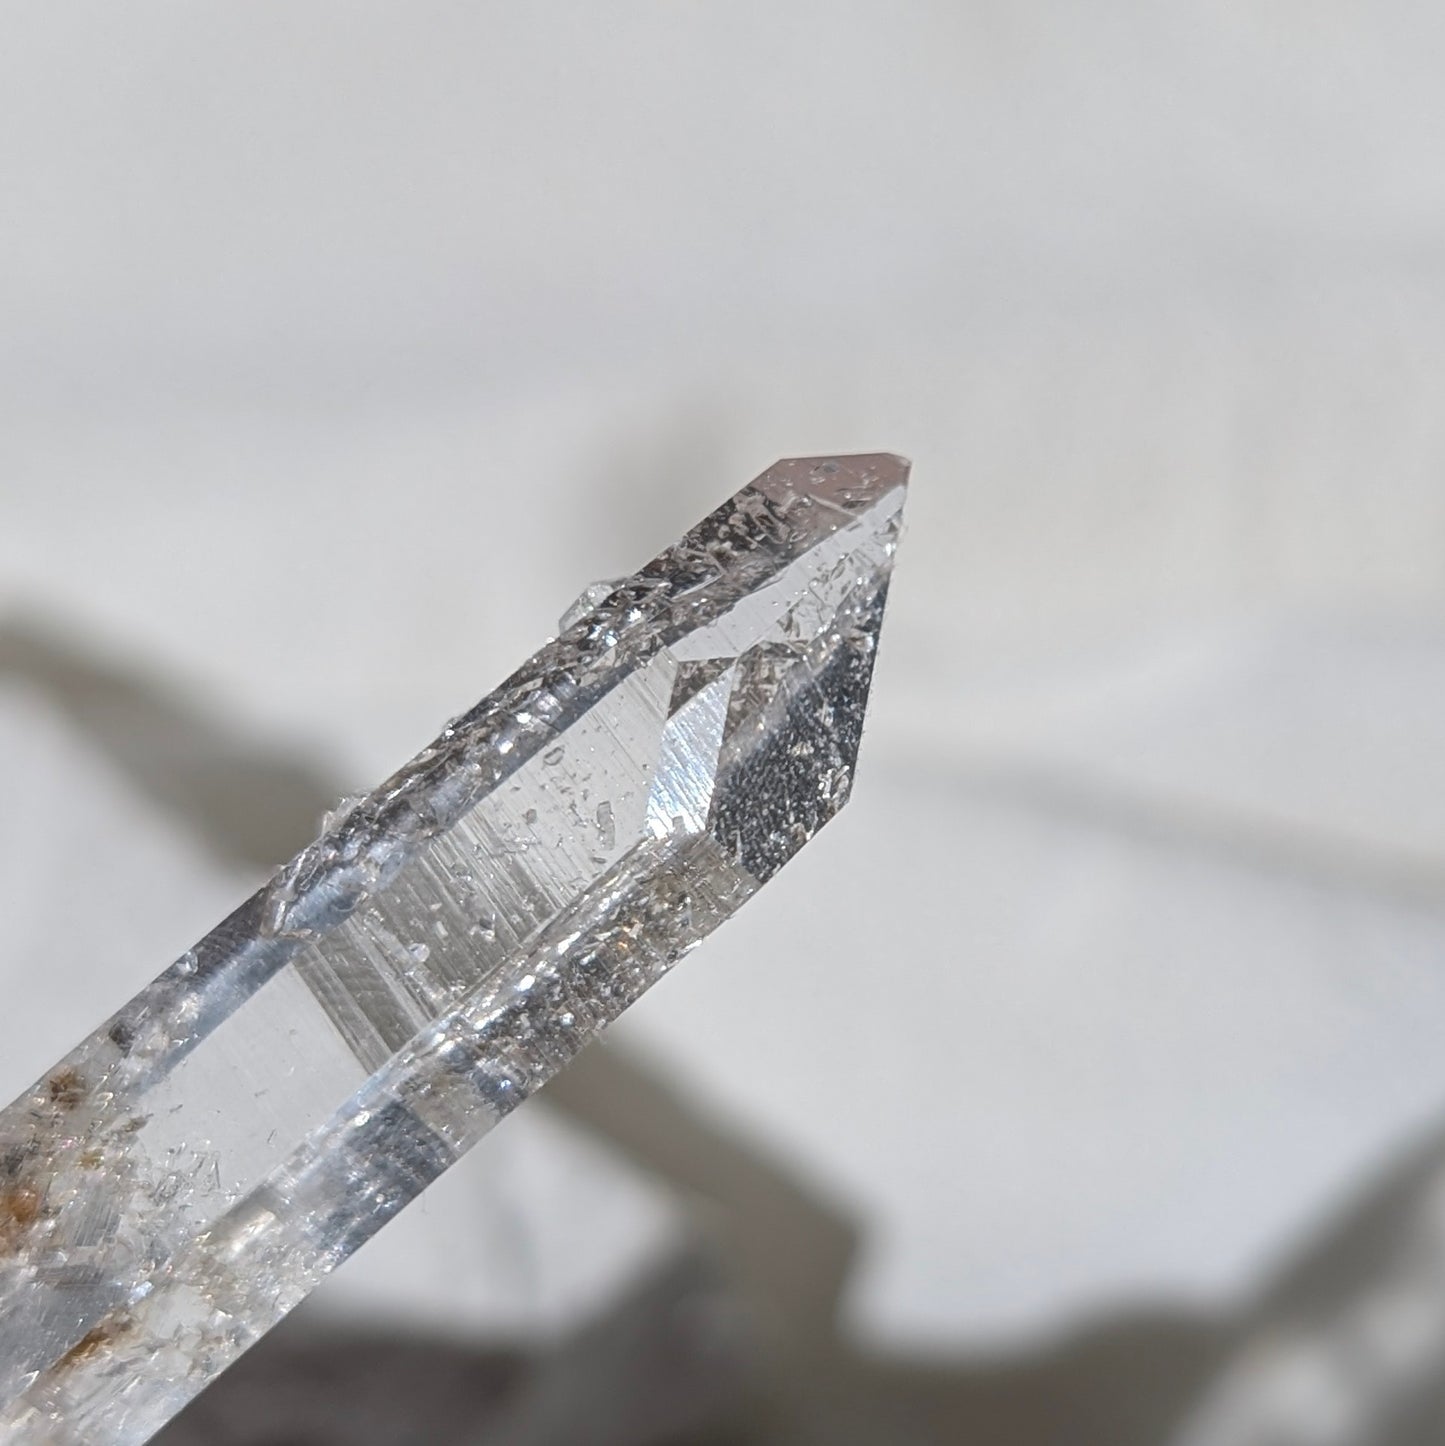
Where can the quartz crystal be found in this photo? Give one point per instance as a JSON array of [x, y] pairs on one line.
[[183, 1178]]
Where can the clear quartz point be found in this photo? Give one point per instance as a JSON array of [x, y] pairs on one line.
[[181, 1180]]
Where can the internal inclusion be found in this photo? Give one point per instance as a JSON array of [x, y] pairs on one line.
[[189, 1173]]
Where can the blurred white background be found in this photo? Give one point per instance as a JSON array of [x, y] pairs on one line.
[[341, 344]]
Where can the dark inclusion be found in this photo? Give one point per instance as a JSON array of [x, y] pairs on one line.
[[796, 777]]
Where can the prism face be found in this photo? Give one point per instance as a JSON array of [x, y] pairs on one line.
[[191, 1171]]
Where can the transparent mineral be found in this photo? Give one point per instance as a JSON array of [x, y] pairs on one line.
[[181, 1180]]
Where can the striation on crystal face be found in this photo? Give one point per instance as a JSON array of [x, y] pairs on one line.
[[186, 1175]]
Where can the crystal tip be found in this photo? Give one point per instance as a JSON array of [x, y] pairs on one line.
[[861, 473]]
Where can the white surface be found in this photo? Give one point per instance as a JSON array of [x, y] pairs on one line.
[[340, 344]]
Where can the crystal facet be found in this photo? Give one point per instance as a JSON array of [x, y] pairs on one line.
[[183, 1178]]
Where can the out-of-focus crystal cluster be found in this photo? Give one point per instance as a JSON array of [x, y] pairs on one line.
[[183, 1178]]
